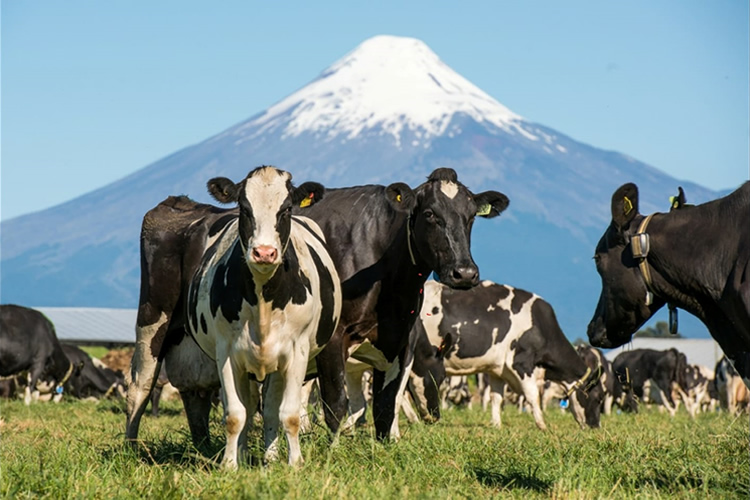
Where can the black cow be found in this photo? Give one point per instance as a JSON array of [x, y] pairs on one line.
[[385, 241], [512, 335], [664, 369], [696, 258], [28, 343], [89, 380]]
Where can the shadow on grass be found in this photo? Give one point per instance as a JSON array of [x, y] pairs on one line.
[[511, 480]]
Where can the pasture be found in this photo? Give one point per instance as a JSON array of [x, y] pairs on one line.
[[76, 449]]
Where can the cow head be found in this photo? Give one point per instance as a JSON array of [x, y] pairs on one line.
[[440, 225], [265, 198], [622, 307], [428, 374], [587, 401]]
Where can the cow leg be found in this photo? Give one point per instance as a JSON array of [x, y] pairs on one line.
[[305, 419], [235, 410], [357, 403], [289, 410], [144, 368], [667, 401], [395, 433], [387, 389], [531, 392], [496, 386], [197, 409], [331, 372]]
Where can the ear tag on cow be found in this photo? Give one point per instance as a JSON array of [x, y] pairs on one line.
[[649, 298], [59, 389], [672, 319], [484, 209], [307, 201], [398, 198], [674, 202], [627, 205], [564, 403]]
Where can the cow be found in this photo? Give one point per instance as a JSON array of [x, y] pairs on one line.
[[384, 240], [594, 359], [512, 335], [733, 395], [667, 370], [89, 380], [696, 258], [28, 343], [265, 300]]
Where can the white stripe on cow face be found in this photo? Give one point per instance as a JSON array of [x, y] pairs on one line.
[[266, 192]]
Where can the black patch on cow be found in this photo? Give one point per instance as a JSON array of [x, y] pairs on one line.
[[435, 310], [204, 327], [309, 230], [520, 297], [220, 224], [284, 286], [524, 359], [239, 285], [326, 324]]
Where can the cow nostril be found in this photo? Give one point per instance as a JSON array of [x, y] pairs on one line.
[[264, 254], [465, 274]]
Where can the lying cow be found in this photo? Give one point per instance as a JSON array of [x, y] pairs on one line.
[[384, 240], [695, 258], [666, 370], [510, 334], [265, 300], [89, 380], [28, 343]]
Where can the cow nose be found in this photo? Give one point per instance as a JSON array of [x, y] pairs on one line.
[[466, 275], [264, 254], [597, 334]]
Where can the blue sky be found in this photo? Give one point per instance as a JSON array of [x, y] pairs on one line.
[[93, 91]]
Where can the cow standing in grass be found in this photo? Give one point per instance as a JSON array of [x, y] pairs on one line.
[[696, 258], [385, 242], [264, 301]]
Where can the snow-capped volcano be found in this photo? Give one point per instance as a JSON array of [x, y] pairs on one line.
[[389, 83]]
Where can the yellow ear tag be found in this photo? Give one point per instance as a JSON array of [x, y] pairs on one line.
[[674, 201], [484, 209], [398, 198], [307, 201], [627, 205]]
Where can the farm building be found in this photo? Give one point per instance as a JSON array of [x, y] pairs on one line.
[[92, 326], [704, 352]]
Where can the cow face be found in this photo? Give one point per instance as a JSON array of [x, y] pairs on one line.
[[441, 225], [588, 401], [265, 198], [622, 305]]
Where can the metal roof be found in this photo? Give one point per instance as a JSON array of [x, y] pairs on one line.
[[93, 326], [704, 352]]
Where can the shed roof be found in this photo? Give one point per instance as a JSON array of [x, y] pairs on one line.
[[92, 326]]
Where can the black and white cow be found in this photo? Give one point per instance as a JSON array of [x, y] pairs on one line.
[[89, 380], [594, 359], [512, 335], [732, 393], [28, 343], [384, 240], [665, 369], [265, 300], [696, 258]]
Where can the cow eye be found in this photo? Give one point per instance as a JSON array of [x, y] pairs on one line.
[[429, 215]]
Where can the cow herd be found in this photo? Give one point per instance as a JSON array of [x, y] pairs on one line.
[[295, 283]]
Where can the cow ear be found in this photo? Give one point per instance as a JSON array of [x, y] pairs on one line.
[[445, 346], [308, 194], [401, 197], [490, 204], [624, 204], [678, 201], [223, 190]]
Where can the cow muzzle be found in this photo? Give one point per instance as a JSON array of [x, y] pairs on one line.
[[462, 277], [264, 254]]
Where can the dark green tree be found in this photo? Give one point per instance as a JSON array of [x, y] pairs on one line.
[[659, 330]]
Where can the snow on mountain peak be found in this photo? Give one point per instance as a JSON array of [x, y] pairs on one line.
[[387, 81]]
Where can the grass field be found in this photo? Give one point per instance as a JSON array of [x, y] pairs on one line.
[[75, 449]]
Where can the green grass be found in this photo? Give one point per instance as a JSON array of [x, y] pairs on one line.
[[76, 449]]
